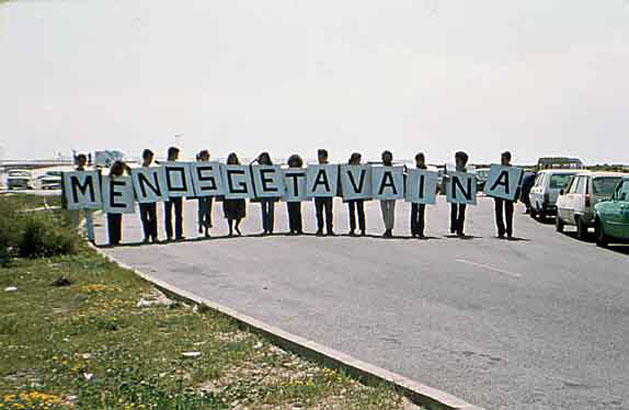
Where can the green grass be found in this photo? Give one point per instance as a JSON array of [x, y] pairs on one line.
[[89, 346], [29, 201]]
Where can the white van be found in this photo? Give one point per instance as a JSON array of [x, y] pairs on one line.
[[544, 193], [575, 205]]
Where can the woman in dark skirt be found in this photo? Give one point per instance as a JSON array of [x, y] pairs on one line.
[[234, 209], [114, 221]]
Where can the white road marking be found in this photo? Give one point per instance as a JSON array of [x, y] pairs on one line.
[[491, 268]]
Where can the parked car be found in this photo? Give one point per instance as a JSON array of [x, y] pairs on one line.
[[545, 190], [482, 175], [49, 180], [525, 189], [612, 216], [575, 205], [559, 163], [19, 179]]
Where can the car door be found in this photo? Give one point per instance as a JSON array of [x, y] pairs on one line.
[[618, 214], [578, 198], [564, 202]]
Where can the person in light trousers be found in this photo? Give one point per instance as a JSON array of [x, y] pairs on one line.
[[388, 205], [81, 162]]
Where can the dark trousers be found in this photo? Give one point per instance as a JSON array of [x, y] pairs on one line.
[[205, 212], [148, 214], [114, 228], [320, 204], [268, 214], [457, 218], [294, 217], [178, 203], [356, 205], [500, 221], [417, 219]]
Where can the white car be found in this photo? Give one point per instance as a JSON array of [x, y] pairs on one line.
[[575, 205], [544, 193], [19, 179]]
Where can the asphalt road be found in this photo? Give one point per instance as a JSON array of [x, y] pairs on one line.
[[536, 323]]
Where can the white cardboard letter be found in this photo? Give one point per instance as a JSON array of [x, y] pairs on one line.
[[82, 189], [237, 181], [503, 181], [421, 186], [356, 182], [149, 184], [322, 180], [387, 182], [207, 178], [461, 188], [268, 181], [118, 195]]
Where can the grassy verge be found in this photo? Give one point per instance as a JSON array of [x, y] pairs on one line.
[[29, 201], [89, 345]]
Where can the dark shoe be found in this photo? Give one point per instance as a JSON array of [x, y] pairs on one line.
[[238, 232], [363, 233], [331, 233], [180, 239], [146, 241], [351, 233], [200, 229], [207, 233], [319, 232]]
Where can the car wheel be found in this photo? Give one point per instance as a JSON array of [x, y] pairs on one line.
[[559, 225], [582, 230], [601, 238]]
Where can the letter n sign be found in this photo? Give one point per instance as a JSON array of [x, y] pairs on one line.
[[461, 188], [503, 182], [82, 189]]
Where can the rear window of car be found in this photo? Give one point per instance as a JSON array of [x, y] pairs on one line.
[[604, 185], [559, 181]]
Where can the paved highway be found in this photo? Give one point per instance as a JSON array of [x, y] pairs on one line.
[[541, 322]]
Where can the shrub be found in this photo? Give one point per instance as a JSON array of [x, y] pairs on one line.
[[45, 235], [9, 232]]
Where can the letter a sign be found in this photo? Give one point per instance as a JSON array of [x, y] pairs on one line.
[[322, 180], [503, 182]]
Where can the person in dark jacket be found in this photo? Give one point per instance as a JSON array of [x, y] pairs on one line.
[[148, 211], [457, 211], [234, 209], [323, 203], [527, 183], [114, 221], [294, 207], [500, 204], [205, 203], [267, 205], [418, 210], [356, 205], [177, 203]]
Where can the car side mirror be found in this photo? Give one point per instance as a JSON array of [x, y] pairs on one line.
[[561, 192]]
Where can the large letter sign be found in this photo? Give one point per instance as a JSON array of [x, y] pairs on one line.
[[268, 181], [461, 188], [295, 184], [421, 186], [149, 184], [387, 182], [178, 179], [118, 195], [207, 178], [322, 180], [82, 189], [237, 180], [503, 181], [356, 182]]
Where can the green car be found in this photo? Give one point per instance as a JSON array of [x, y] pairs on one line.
[[612, 216]]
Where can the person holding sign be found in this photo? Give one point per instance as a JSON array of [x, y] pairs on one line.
[[502, 203], [114, 220], [267, 204], [418, 210], [387, 206], [148, 211], [356, 205], [234, 209], [205, 202], [322, 203], [294, 207], [81, 162], [457, 210], [177, 203]]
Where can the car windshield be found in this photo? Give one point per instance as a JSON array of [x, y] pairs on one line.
[[559, 181], [604, 186]]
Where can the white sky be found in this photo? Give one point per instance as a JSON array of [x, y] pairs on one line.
[[537, 77]]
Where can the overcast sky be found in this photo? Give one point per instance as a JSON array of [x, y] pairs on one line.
[[537, 77]]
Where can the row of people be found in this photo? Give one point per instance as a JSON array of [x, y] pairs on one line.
[[235, 209]]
